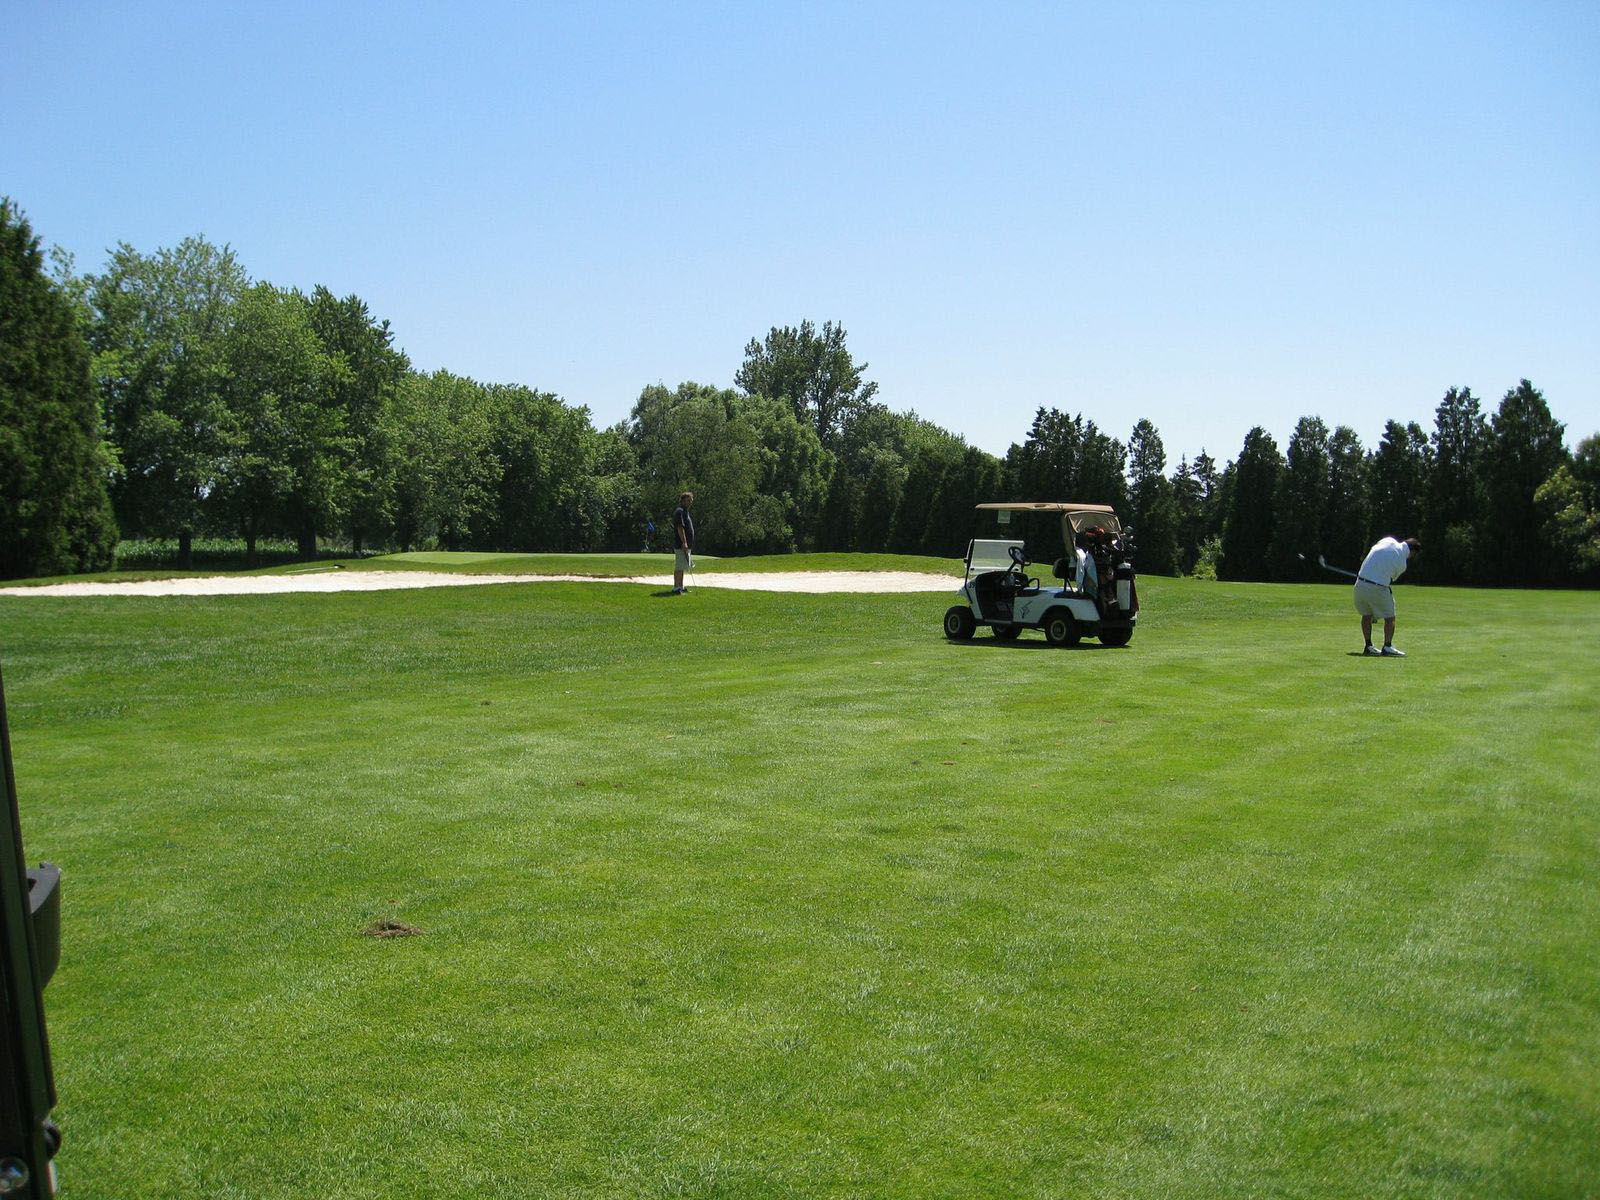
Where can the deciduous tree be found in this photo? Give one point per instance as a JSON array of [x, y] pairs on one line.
[[288, 458], [373, 370], [158, 334], [812, 372], [695, 439], [1569, 504]]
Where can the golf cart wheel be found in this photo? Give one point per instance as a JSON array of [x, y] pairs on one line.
[[1006, 633], [1116, 637], [1060, 629], [959, 623]]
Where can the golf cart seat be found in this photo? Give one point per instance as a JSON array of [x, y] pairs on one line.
[[1066, 570]]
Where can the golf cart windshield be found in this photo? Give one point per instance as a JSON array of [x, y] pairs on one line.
[[987, 555]]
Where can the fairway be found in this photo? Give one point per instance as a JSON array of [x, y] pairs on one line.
[[748, 894]]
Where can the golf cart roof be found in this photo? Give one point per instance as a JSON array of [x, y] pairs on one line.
[[1079, 516]]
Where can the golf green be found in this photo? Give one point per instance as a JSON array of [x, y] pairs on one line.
[[752, 894]]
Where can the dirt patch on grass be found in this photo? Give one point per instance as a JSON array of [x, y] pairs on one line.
[[390, 929]]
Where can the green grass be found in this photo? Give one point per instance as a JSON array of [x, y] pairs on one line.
[[748, 894], [144, 554]]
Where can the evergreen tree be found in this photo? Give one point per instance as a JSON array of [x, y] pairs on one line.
[[883, 483], [841, 511], [1064, 458], [1524, 449], [55, 516], [1345, 520], [968, 482], [1153, 513], [1187, 496], [1304, 489], [1213, 509], [1252, 486], [1455, 495], [1397, 484], [924, 475]]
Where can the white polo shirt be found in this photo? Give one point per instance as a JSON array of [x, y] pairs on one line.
[[1385, 562]]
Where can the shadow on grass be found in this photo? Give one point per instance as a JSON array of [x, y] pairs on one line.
[[990, 643]]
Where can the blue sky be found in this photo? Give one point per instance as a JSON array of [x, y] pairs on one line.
[[1213, 216]]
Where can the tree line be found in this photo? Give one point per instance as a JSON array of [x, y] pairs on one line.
[[171, 396]]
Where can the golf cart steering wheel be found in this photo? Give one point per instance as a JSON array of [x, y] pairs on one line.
[[1019, 562]]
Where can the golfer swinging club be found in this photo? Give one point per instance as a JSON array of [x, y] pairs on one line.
[[683, 540], [1384, 563]]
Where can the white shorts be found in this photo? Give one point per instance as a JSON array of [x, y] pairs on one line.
[[685, 559], [1373, 600]]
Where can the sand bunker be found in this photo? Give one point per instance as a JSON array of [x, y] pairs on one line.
[[372, 581]]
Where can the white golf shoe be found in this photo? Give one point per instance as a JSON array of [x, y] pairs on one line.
[[1391, 652], [1371, 651]]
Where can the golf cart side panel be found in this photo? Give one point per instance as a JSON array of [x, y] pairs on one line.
[[1031, 610]]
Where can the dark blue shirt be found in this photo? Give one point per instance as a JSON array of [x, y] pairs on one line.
[[681, 520]]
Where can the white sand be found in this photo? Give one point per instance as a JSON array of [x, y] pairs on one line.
[[380, 580]]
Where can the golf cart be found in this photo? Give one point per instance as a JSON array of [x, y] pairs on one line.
[[1096, 596]]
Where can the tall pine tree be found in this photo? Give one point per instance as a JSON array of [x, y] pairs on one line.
[[1152, 508], [1455, 490], [1397, 483], [1524, 449], [1251, 522]]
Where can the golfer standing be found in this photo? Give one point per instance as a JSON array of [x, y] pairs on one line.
[[1384, 563], [683, 540]]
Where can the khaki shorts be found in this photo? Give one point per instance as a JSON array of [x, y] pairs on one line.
[[1374, 601], [685, 559]]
